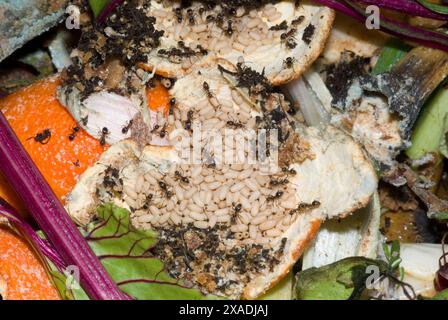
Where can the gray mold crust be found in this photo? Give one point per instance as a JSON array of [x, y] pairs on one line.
[[23, 20]]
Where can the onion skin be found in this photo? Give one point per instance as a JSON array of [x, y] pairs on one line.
[[45, 208]]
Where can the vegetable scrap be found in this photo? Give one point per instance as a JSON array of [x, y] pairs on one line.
[[350, 150]]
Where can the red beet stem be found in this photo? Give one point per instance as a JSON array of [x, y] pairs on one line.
[[51, 216]]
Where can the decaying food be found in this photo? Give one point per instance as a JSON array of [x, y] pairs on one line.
[[105, 110], [238, 226], [16, 32], [238, 145], [347, 36], [229, 229], [380, 111], [178, 39], [237, 206], [265, 36]]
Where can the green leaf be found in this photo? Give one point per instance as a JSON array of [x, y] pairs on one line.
[[281, 291], [98, 6], [442, 295], [442, 216], [392, 253], [429, 132], [66, 285], [393, 51], [443, 145], [40, 60], [125, 253], [60, 282], [341, 280], [434, 7], [40, 66]]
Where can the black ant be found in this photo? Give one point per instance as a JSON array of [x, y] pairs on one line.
[[190, 16], [289, 38], [281, 249], [210, 95], [235, 124], [109, 182], [162, 185], [220, 19], [84, 121], [292, 172], [148, 201], [163, 132], [297, 21], [164, 188], [282, 26], [114, 172], [178, 13], [276, 196], [206, 87], [181, 178], [211, 164], [172, 105], [42, 137], [289, 34], [236, 210], [210, 18], [289, 62], [305, 207], [229, 30], [72, 135], [232, 11], [276, 183], [291, 44], [104, 133], [156, 127], [210, 5], [112, 179], [76, 163], [202, 50], [126, 128], [283, 137], [189, 120]]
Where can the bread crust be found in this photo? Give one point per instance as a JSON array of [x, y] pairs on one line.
[[304, 54], [319, 46], [304, 229], [252, 291]]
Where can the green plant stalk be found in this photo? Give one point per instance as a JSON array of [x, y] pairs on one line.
[[393, 51], [98, 6], [442, 295], [430, 126], [434, 6]]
